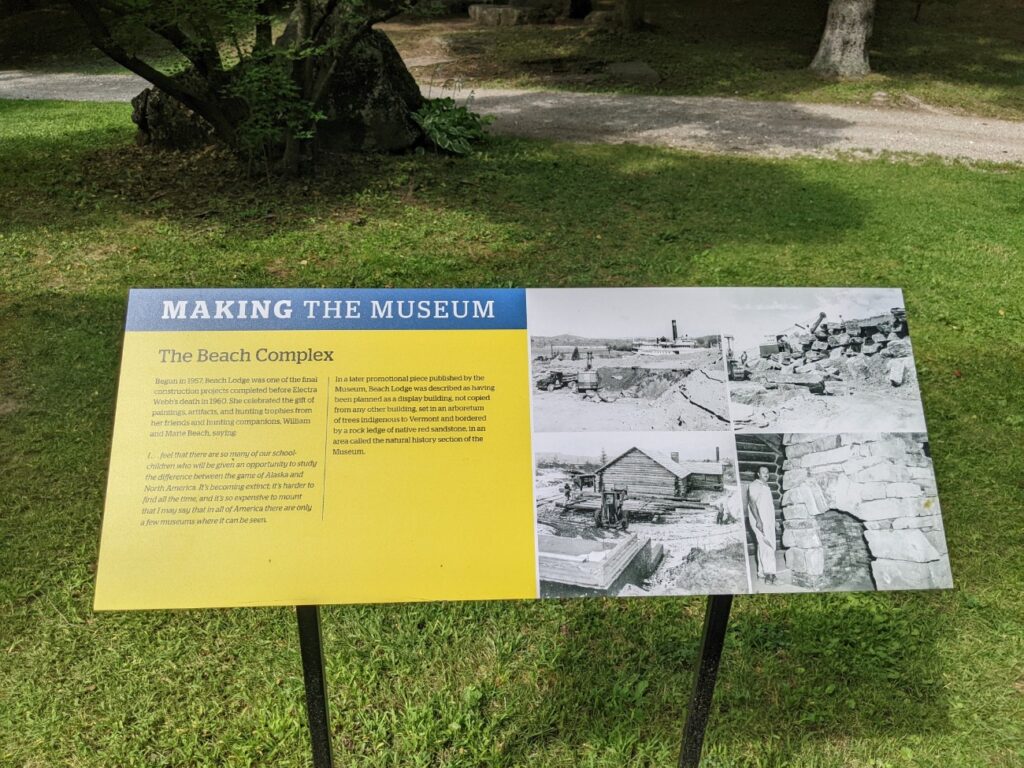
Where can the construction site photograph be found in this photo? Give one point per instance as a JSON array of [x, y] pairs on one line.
[[625, 360], [639, 514], [820, 360]]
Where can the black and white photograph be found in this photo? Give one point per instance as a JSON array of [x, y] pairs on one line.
[[841, 512], [820, 360], [626, 360], [639, 514]]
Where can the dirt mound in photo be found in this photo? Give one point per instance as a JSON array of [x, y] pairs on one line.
[[702, 572], [637, 382]]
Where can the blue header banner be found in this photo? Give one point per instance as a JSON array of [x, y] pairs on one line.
[[311, 309]]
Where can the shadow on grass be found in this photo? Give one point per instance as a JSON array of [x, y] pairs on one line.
[[521, 213], [50, 37], [58, 379], [836, 666]]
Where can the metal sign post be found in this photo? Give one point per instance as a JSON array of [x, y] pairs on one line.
[[716, 620], [311, 649]]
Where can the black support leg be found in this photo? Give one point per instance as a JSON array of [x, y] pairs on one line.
[[716, 619], [311, 648]]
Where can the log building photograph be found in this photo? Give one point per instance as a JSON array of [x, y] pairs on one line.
[[638, 514]]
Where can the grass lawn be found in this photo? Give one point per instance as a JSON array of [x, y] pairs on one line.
[[964, 55], [858, 680]]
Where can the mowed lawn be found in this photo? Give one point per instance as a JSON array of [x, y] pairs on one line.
[[859, 680], [960, 55]]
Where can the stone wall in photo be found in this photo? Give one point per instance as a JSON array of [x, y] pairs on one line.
[[861, 509]]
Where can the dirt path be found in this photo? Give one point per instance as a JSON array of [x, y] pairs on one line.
[[734, 126]]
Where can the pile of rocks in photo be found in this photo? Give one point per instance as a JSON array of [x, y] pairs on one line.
[[827, 355]]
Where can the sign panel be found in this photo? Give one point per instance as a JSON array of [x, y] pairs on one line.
[[292, 446]]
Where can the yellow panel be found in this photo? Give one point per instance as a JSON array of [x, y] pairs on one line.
[[400, 522]]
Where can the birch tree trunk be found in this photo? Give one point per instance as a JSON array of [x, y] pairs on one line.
[[843, 51]]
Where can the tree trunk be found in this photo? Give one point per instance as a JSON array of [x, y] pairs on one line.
[[843, 52], [368, 99], [630, 14]]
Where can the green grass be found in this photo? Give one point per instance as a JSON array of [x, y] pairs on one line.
[[964, 56], [859, 681]]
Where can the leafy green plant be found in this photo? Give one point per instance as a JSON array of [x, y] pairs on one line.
[[274, 106], [451, 128], [261, 91]]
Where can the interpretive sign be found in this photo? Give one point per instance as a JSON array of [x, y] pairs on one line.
[[300, 446]]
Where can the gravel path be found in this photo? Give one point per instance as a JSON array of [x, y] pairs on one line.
[[776, 129], [68, 86]]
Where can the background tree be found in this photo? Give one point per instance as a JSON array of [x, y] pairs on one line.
[[630, 14], [843, 51], [265, 78]]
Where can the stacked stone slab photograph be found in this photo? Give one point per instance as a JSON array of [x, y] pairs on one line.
[[859, 511]]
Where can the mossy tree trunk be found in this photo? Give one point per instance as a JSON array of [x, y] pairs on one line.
[[843, 52]]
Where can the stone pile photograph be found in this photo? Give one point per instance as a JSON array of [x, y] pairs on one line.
[[842, 512], [649, 361], [639, 514], [823, 360]]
